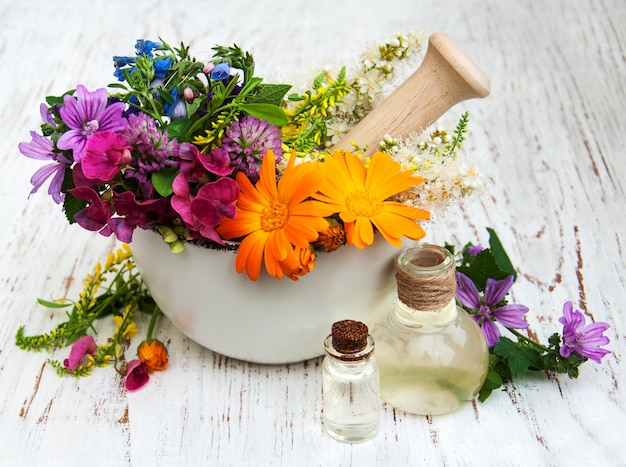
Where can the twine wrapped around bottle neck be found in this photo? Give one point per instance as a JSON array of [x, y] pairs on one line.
[[426, 277]]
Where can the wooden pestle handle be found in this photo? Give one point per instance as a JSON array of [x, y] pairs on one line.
[[446, 77]]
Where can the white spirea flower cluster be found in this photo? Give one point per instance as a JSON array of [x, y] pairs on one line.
[[448, 176], [378, 72]]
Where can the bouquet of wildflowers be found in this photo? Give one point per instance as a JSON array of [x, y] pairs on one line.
[[209, 153]]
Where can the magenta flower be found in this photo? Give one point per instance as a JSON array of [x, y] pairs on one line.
[[79, 353], [580, 338], [136, 375], [485, 311], [190, 165], [105, 154], [87, 114], [204, 212], [41, 148], [145, 214], [95, 217], [216, 162]]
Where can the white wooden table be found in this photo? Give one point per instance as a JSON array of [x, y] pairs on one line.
[[551, 135]]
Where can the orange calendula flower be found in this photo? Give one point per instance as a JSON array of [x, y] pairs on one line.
[[332, 238], [274, 218], [361, 197], [153, 354], [301, 263]]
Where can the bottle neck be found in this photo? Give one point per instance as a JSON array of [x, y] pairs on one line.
[[406, 316], [357, 357], [425, 276]]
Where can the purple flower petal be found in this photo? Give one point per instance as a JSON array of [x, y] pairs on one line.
[[497, 290], [466, 291], [86, 114], [491, 332], [136, 375], [91, 104], [584, 340], [39, 148], [74, 140], [511, 316]]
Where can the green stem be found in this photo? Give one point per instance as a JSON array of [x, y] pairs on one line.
[[528, 340], [155, 314]]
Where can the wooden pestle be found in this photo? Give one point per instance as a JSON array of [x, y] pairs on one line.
[[446, 77]]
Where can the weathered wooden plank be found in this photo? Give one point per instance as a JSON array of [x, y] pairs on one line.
[[550, 134]]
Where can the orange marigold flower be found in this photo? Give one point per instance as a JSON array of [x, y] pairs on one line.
[[332, 238], [301, 263], [153, 354], [360, 195], [273, 218]]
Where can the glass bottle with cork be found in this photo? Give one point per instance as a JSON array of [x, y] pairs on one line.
[[432, 355], [350, 383]]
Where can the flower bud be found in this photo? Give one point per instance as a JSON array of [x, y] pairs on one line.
[[153, 354]]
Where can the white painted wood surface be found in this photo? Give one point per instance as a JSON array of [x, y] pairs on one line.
[[551, 134]]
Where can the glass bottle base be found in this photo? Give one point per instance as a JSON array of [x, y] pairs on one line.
[[351, 433]]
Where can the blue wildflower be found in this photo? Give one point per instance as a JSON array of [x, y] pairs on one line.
[[177, 108], [220, 72], [146, 47], [161, 66]]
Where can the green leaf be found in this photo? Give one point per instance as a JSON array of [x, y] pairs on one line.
[[56, 100], [493, 381], [163, 179], [177, 128], [483, 267], [117, 86], [273, 114], [451, 248], [71, 206], [271, 94], [166, 96], [519, 357], [499, 253], [48, 304]]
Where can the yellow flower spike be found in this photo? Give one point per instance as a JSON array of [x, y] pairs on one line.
[[109, 261]]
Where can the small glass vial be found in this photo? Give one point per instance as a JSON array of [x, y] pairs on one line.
[[433, 357], [350, 383]]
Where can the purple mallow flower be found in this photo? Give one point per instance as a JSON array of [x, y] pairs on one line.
[[86, 114], [247, 140], [79, 353], [580, 338], [486, 310], [474, 250], [41, 148]]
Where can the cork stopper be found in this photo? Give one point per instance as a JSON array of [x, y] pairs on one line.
[[349, 336]]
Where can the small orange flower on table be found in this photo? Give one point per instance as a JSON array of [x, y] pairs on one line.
[[153, 354]]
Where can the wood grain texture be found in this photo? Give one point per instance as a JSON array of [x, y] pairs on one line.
[[551, 135]]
